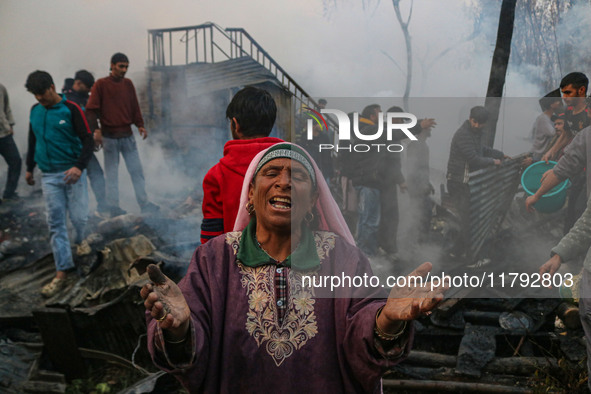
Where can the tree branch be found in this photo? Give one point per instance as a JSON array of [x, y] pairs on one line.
[[410, 12], [393, 61]]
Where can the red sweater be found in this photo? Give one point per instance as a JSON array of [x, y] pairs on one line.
[[223, 183], [114, 102]]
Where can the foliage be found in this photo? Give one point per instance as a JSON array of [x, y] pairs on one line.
[[549, 38], [104, 379]]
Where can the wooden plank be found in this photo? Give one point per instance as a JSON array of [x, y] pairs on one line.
[[60, 341], [450, 387], [44, 387]]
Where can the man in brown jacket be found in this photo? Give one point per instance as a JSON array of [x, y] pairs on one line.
[[113, 100]]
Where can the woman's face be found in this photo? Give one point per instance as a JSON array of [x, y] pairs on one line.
[[282, 194]]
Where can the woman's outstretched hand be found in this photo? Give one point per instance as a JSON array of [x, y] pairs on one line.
[[411, 301], [166, 304]]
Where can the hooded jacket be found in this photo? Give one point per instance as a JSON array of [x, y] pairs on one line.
[[223, 183], [6, 119]]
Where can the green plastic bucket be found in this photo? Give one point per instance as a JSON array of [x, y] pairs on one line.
[[531, 181]]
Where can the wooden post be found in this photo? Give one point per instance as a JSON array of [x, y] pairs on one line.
[[498, 69]]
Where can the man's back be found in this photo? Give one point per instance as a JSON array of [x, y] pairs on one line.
[[79, 98], [223, 182], [542, 133]]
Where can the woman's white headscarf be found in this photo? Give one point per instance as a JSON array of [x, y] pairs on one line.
[[330, 218]]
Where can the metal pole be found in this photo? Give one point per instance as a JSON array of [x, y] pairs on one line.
[[211, 36], [205, 45], [196, 47], [170, 45]]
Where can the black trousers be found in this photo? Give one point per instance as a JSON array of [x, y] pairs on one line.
[[388, 234], [460, 196], [9, 151]]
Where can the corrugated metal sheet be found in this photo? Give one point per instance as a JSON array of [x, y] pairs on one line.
[[206, 77], [491, 191], [106, 311]]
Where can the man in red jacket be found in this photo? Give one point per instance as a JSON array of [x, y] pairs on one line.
[[252, 114], [113, 100]]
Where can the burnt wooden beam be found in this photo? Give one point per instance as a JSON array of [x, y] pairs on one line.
[[43, 387], [60, 342], [451, 387], [482, 317]]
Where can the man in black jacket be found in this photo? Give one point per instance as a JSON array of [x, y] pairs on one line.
[[467, 154]]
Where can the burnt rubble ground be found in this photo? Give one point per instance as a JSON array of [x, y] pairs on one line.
[[468, 344], [99, 315]]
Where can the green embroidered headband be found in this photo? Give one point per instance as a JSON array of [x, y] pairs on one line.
[[287, 151]]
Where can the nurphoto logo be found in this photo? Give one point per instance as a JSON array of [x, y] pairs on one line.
[[402, 121]]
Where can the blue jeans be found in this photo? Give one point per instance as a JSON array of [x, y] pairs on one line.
[[128, 149], [369, 219], [60, 199]]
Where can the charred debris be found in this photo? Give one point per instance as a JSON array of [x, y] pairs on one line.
[[99, 316], [471, 343]]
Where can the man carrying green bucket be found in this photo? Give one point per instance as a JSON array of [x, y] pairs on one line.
[[576, 156]]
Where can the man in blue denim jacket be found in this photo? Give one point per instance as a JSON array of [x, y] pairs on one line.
[[61, 144]]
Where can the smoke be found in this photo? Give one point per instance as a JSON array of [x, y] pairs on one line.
[[333, 50], [572, 35]]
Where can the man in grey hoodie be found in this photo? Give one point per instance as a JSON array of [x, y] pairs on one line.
[[573, 244], [8, 148], [576, 158]]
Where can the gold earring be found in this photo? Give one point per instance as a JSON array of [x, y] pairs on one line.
[[249, 208], [309, 217]]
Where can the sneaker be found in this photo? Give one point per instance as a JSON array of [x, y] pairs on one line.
[[116, 211], [83, 248], [102, 215], [480, 263], [150, 208], [53, 287]]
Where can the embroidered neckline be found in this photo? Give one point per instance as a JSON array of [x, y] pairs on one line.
[[299, 323], [304, 258]]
